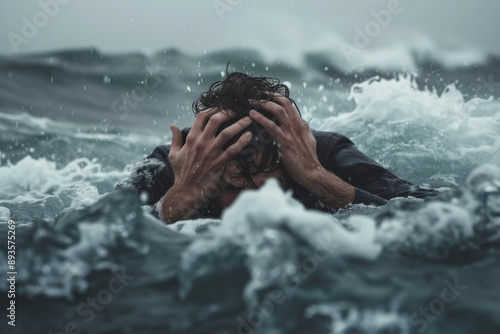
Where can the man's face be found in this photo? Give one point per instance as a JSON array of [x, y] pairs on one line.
[[236, 183]]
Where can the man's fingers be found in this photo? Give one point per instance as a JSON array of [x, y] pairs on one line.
[[275, 130], [274, 108], [225, 135], [286, 103], [237, 147], [202, 119], [177, 140], [214, 123]]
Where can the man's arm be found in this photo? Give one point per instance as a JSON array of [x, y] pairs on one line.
[[198, 163], [153, 180], [177, 204], [152, 177], [297, 146], [374, 183], [368, 183], [331, 190], [181, 180]]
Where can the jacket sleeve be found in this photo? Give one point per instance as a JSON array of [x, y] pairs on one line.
[[152, 177], [374, 184]]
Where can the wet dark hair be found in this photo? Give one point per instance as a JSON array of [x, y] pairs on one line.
[[233, 94]]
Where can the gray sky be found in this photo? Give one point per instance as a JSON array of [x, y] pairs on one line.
[[279, 28]]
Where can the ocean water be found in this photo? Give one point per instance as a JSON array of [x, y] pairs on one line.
[[89, 259]]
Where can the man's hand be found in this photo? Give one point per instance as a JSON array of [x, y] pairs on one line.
[[295, 140], [198, 164], [297, 146]]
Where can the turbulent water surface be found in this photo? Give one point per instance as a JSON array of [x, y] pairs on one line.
[[90, 260]]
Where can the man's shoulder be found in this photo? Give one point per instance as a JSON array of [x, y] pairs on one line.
[[160, 152], [318, 133], [149, 167], [152, 176], [330, 138]]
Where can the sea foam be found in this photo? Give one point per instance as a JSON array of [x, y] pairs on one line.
[[266, 226], [405, 127]]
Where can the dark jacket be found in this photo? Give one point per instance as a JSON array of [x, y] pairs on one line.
[[374, 184]]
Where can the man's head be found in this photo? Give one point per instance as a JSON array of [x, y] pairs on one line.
[[233, 94]]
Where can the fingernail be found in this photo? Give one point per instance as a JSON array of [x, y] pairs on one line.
[[247, 119], [253, 111]]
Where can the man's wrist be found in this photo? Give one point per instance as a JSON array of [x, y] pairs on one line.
[[177, 204], [329, 188], [314, 178]]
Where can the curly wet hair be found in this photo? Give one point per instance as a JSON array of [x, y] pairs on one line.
[[233, 93]]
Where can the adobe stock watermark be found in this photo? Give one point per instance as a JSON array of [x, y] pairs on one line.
[[223, 6], [93, 305], [363, 36], [291, 282], [32, 26], [486, 86], [437, 306], [130, 100]]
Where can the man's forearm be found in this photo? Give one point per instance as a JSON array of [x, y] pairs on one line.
[[331, 190], [176, 205]]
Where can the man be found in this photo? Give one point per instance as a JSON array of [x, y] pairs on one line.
[[247, 129]]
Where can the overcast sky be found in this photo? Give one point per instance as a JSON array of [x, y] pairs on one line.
[[278, 27]]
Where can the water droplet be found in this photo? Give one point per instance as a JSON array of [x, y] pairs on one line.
[[144, 197]]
